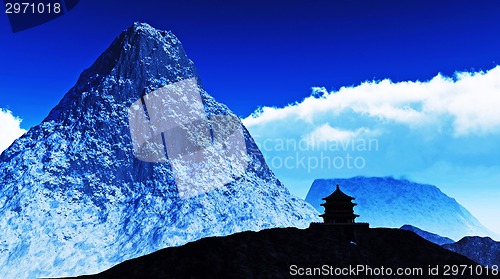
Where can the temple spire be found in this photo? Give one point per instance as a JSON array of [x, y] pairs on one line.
[[339, 213], [339, 208]]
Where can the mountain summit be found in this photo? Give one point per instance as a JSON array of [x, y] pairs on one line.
[[136, 157]]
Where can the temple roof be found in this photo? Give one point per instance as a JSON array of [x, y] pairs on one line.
[[338, 195]]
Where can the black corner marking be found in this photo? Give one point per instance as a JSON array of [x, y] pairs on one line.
[[29, 13]]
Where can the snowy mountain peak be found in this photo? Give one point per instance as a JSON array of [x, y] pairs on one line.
[[137, 156], [143, 57], [143, 26], [142, 30]]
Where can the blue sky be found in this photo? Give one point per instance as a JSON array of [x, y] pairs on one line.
[[253, 54]]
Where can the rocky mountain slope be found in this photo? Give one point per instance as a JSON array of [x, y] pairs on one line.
[[434, 238], [136, 157], [389, 202]]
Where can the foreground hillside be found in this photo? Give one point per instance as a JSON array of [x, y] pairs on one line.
[[280, 253]]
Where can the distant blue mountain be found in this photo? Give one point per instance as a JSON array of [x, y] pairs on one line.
[[82, 192], [482, 250], [389, 202], [434, 238]]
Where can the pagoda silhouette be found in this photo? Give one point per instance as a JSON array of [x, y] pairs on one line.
[[339, 211]]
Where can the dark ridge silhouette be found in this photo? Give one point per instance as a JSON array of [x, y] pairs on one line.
[[270, 254]]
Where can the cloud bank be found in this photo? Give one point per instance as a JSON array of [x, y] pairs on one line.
[[10, 129], [468, 103]]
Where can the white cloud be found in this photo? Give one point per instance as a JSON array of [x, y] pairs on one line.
[[10, 129], [326, 133], [469, 101]]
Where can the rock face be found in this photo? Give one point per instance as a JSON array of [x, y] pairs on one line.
[[482, 250], [84, 191], [434, 238], [389, 202], [289, 252]]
